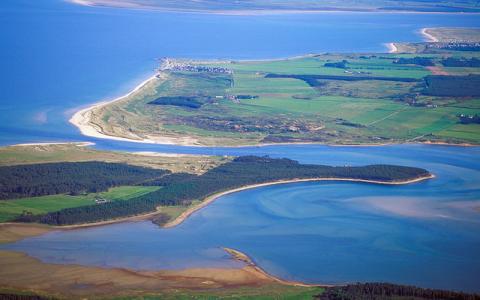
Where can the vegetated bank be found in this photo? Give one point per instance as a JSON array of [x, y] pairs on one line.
[[73, 178], [182, 189], [369, 98], [388, 291]]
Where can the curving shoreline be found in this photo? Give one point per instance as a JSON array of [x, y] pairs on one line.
[[210, 199], [242, 257], [392, 48], [82, 120], [249, 274], [429, 37], [204, 203]]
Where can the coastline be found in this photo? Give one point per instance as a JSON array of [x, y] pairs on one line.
[[251, 274], [429, 37], [73, 281], [392, 48], [210, 199], [204, 203], [253, 12], [240, 256], [21, 265], [81, 120]]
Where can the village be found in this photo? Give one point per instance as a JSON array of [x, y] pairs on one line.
[[170, 64]]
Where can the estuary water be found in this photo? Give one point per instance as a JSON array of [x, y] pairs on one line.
[[423, 234], [57, 57]]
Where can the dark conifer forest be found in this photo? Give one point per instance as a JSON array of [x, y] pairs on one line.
[[388, 291], [181, 189], [67, 177]]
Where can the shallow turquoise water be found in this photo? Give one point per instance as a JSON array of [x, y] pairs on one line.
[[326, 232]]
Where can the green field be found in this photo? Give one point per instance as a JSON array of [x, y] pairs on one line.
[[373, 99], [9, 209]]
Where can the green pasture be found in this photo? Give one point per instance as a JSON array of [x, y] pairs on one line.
[[9, 209]]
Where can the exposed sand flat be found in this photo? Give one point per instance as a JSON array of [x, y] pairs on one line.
[[240, 256], [214, 197], [19, 271], [10, 232], [22, 272]]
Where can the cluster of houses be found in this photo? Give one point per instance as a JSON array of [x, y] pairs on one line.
[[457, 45], [169, 64]]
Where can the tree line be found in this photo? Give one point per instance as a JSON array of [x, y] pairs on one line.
[[70, 177], [388, 291], [452, 85], [181, 189], [313, 80]]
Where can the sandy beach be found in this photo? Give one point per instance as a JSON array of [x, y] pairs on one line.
[[207, 201], [429, 38], [81, 119], [391, 48]]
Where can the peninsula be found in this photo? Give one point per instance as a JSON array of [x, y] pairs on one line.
[[74, 196], [348, 99]]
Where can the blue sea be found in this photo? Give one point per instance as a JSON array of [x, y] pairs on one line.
[[57, 57]]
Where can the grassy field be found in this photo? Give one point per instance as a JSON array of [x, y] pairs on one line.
[[445, 34], [32, 154], [266, 292], [19, 155], [9, 209], [375, 100]]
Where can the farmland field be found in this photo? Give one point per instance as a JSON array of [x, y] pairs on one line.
[[9, 209], [332, 99]]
